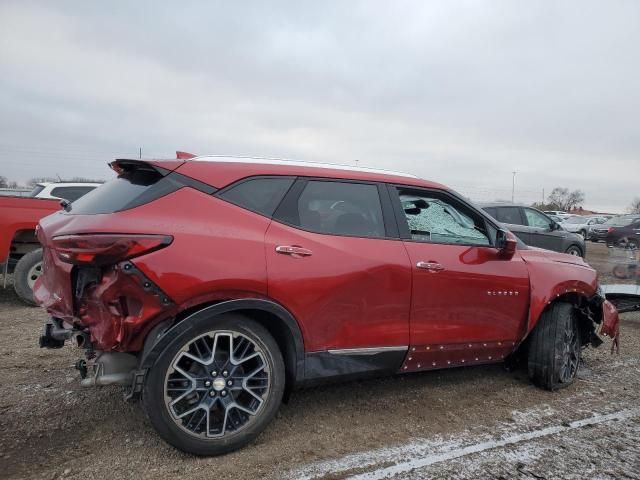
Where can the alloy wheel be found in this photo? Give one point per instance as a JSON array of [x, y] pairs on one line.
[[570, 354], [216, 384]]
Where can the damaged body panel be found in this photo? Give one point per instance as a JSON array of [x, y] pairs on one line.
[[212, 287]]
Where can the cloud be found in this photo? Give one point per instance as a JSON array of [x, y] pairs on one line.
[[463, 93]]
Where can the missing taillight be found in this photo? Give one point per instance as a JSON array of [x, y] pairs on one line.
[[106, 249]]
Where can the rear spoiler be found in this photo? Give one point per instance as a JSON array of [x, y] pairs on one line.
[[163, 167]]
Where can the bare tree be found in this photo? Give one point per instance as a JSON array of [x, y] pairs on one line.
[[635, 205], [3, 182], [564, 199]]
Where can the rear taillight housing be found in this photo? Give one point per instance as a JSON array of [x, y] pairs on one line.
[[106, 249], [610, 229]]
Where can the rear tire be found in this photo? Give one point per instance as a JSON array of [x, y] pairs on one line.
[[555, 348], [231, 403], [27, 271]]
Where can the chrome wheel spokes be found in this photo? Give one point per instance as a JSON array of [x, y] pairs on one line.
[[216, 384]]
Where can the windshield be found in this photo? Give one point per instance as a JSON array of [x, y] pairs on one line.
[[576, 220], [36, 190], [621, 221]]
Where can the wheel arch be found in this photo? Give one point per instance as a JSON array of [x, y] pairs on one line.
[[581, 303], [278, 321]]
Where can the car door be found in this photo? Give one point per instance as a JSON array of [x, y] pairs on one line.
[[335, 261], [513, 219], [542, 231], [469, 305]]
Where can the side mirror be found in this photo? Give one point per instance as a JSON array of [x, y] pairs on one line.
[[554, 226], [506, 243]]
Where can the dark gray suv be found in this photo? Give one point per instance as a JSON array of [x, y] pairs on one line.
[[535, 228]]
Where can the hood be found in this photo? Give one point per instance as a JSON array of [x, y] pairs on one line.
[[533, 254]]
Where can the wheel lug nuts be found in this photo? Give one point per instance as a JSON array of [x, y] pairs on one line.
[[229, 383], [207, 383], [223, 393], [214, 373], [225, 373], [212, 393]]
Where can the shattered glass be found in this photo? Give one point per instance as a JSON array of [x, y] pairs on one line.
[[440, 222]]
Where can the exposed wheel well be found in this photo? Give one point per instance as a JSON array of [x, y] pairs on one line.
[[584, 314]]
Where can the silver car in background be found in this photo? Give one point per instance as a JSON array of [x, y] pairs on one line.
[[582, 224]]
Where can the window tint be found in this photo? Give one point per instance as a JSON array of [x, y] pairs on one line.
[[70, 193], [509, 215], [537, 219], [436, 219], [341, 208], [261, 195], [132, 188], [36, 190], [491, 211]]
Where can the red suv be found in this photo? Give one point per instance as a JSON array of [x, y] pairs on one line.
[[211, 287]]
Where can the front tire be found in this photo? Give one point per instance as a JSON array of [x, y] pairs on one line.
[[216, 386], [27, 271], [555, 348]]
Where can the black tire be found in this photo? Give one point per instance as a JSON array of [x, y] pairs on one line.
[[174, 431], [574, 250], [555, 348], [27, 270]]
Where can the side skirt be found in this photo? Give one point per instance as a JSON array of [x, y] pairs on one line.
[[348, 364]]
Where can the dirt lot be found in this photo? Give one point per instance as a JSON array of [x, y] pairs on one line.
[[478, 422]]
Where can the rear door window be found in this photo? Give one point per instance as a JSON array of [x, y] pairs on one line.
[[261, 195], [338, 208], [510, 215]]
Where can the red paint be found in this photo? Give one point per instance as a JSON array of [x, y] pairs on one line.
[[21, 214], [345, 292], [351, 292]]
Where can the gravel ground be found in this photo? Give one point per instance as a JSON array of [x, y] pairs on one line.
[[476, 422]]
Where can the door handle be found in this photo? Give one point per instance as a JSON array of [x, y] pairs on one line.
[[431, 266], [294, 251]]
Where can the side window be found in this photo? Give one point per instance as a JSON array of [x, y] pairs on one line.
[[70, 193], [510, 215], [261, 195], [491, 211], [536, 219], [341, 208], [435, 218]]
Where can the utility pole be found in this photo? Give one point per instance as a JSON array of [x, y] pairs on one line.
[[140, 153], [543, 196], [513, 187]]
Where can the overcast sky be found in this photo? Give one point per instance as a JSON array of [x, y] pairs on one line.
[[459, 92]]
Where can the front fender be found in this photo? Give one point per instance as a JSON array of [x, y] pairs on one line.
[[552, 279]]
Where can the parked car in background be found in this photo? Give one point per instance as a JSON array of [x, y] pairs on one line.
[[69, 191], [20, 251], [536, 228], [557, 213], [582, 225], [290, 273], [623, 230]]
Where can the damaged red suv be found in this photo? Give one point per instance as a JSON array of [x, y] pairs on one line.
[[211, 287]]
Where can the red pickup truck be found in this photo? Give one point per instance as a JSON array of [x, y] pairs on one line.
[[19, 249]]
